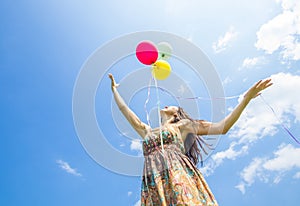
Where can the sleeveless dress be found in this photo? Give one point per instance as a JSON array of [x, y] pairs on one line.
[[169, 177]]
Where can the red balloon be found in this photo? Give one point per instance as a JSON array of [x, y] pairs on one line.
[[146, 52]]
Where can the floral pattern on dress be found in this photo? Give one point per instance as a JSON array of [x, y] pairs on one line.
[[169, 177]]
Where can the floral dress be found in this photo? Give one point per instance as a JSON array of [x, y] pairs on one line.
[[169, 177]]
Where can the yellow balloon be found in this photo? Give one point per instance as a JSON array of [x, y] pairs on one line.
[[161, 69]]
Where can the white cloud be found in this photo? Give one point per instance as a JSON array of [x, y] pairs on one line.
[[217, 159], [258, 121], [136, 145], [252, 62], [66, 167], [253, 170], [297, 175], [285, 158], [129, 193], [182, 89], [138, 203], [241, 187], [230, 154], [224, 41], [282, 32], [227, 80]]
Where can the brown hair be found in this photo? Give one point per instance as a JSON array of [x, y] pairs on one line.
[[194, 145]]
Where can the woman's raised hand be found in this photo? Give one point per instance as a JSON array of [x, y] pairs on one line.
[[256, 89], [113, 83]]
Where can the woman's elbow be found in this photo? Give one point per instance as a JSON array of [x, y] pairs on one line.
[[221, 128], [225, 130]]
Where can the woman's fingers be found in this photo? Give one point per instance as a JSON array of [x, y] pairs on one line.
[[262, 84], [257, 83], [112, 80], [111, 77], [256, 89], [113, 83], [268, 83], [265, 84]]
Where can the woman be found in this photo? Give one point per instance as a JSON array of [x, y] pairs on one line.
[[172, 151]]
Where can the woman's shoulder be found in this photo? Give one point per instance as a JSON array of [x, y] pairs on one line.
[[183, 122]]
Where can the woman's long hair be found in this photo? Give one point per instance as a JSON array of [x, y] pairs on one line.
[[194, 145]]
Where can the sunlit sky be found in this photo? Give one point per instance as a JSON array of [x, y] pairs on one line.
[[44, 45]]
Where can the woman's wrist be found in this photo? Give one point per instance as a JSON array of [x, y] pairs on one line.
[[247, 97]]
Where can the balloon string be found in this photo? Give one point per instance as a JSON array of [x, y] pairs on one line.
[[147, 100], [282, 125], [236, 96], [198, 97], [159, 117]]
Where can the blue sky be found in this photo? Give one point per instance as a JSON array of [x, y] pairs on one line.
[[45, 43]]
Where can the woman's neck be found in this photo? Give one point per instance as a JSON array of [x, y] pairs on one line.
[[166, 120]]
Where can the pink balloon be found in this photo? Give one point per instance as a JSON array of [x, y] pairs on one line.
[[146, 52]]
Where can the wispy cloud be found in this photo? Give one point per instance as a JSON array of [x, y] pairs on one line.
[[138, 203], [282, 32], [217, 159], [66, 167], [253, 62], [285, 158], [297, 175], [224, 41], [136, 145], [181, 89], [226, 81]]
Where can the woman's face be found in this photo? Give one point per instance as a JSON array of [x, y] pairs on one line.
[[170, 110]]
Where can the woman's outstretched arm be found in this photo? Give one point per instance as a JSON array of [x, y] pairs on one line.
[[141, 128], [222, 127]]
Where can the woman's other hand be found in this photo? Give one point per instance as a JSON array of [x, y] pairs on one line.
[[256, 89], [113, 82]]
